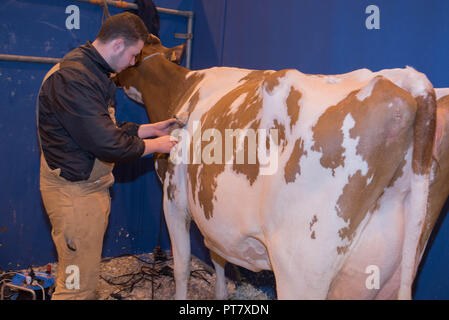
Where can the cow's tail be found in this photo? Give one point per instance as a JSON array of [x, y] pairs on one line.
[[416, 211]]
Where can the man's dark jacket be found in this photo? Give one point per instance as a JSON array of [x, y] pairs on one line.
[[75, 125]]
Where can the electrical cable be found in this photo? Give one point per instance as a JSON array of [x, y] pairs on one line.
[[7, 276], [151, 270], [42, 289], [32, 275]]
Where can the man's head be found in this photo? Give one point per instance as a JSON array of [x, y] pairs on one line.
[[120, 40]]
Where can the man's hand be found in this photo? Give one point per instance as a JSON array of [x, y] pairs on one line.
[[162, 144], [157, 129]]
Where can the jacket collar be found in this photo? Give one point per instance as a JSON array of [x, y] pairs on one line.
[[89, 50]]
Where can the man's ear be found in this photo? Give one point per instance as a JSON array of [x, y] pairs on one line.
[[118, 45], [175, 54]]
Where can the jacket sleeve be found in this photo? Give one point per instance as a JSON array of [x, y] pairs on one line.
[[130, 128], [80, 108]]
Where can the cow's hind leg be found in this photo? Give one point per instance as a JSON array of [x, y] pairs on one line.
[[424, 132], [178, 224], [221, 291]]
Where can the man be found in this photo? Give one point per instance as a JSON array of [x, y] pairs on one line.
[[80, 140]]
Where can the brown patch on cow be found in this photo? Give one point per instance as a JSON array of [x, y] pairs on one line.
[[255, 75], [282, 139], [424, 133], [193, 101], [251, 171], [350, 211], [342, 250], [188, 91], [245, 115], [292, 168], [171, 187], [314, 220], [192, 171], [384, 127], [399, 173], [346, 233], [376, 205], [329, 141], [207, 187], [293, 106], [272, 80], [161, 161], [214, 119]]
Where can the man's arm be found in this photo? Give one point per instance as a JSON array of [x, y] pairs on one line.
[[157, 129], [82, 112], [162, 144]]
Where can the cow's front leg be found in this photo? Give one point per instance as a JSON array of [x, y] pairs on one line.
[[178, 223], [221, 291]]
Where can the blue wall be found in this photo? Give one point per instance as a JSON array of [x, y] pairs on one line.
[[325, 36]]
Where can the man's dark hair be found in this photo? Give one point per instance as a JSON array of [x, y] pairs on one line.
[[124, 25]]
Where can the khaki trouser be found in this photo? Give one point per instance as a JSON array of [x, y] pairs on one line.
[[78, 213]]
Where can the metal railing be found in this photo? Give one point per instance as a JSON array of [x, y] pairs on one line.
[[17, 58], [119, 4]]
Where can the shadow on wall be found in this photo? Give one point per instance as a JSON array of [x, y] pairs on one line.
[[124, 172]]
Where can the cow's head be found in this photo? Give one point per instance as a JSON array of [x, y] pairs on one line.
[[152, 78], [152, 48]]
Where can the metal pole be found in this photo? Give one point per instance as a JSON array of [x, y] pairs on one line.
[[16, 58], [189, 41], [127, 5]]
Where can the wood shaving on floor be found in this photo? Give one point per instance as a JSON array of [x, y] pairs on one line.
[[136, 277]]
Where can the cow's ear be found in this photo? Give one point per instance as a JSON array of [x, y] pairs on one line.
[[152, 39], [175, 54]]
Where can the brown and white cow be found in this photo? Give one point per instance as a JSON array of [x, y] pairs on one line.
[[345, 193]]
